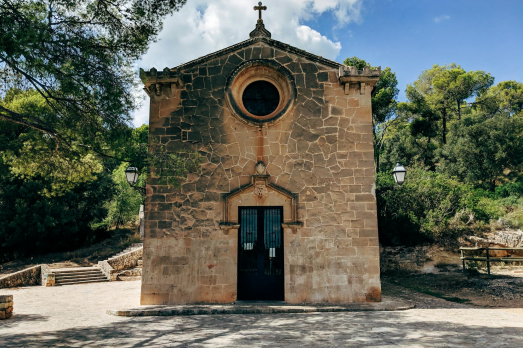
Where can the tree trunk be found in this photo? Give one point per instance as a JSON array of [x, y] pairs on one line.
[[459, 109], [444, 119], [377, 160]]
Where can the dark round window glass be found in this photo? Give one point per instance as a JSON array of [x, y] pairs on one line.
[[261, 98]]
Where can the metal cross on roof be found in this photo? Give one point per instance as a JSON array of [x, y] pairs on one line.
[[260, 8]]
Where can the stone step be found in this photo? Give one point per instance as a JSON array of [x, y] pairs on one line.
[[78, 276], [75, 270], [96, 270], [74, 279], [85, 280]]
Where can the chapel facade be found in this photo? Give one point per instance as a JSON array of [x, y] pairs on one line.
[[282, 205]]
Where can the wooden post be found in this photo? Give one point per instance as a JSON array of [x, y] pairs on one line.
[[462, 259], [488, 261]]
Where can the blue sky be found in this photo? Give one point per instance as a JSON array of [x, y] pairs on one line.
[[407, 35], [411, 36]]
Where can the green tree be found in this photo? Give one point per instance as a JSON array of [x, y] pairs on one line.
[[484, 151], [445, 88], [462, 85], [30, 153], [413, 141], [506, 98], [78, 56], [33, 223]]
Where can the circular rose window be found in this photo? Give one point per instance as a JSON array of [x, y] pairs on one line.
[[261, 98], [260, 91]]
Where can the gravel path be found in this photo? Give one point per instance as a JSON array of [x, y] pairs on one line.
[[74, 316]]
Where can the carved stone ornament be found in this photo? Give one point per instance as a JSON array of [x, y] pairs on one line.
[[260, 168], [161, 85], [260, 188], [358, 80]]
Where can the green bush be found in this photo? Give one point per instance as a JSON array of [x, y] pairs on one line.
[[431, 207], [33, 223], [428, 207]]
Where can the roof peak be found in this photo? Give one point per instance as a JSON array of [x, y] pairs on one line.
[[260, 30]]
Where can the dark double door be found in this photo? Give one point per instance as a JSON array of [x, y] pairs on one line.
[[260, 254]]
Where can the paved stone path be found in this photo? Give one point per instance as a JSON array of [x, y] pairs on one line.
[[74, 316]]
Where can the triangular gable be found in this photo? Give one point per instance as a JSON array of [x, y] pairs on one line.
[[274, 43]]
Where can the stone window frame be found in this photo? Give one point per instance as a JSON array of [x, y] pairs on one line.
[[256, 70]]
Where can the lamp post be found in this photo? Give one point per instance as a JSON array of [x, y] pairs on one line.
[[131, 174], [399, 172]]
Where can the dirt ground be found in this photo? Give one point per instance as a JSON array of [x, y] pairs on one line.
[[502, 289]]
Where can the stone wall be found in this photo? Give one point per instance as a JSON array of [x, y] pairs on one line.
[[6, 306], [127, 260], [321, 151], [113, 265], [403, 259], [26, 277]]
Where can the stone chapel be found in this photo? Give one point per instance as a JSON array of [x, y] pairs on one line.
[[282, 207]]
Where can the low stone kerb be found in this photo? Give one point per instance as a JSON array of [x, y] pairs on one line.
[[259, 308]]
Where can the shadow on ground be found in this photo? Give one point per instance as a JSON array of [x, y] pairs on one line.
[[372, 329], [20, 319]]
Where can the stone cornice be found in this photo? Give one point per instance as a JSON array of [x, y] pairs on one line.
[[350, 75], [160, 85]]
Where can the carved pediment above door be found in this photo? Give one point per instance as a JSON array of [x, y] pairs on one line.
[[261, 192]]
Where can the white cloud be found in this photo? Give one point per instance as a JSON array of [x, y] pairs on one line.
[[441, 18], [204, 26]]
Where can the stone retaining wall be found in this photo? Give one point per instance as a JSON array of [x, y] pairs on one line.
[[394, 259], [425, 259], [6, 306], [128, 260], [27, 277]]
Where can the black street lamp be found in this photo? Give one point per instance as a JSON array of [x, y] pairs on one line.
[[131, 173]]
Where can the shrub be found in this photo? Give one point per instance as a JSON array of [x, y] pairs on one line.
[[429, 207], [33, 223]]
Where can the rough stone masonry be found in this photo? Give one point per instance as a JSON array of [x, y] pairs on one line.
[[313, 156], [6, 306]]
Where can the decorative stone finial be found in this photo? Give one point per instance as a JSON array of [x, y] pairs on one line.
[[260, 30], [260, 168]]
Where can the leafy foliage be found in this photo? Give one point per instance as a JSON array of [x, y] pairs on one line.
[[78, 56], [33, 223], [431, 207], [484, 152], [461, 140], [126, 202]]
